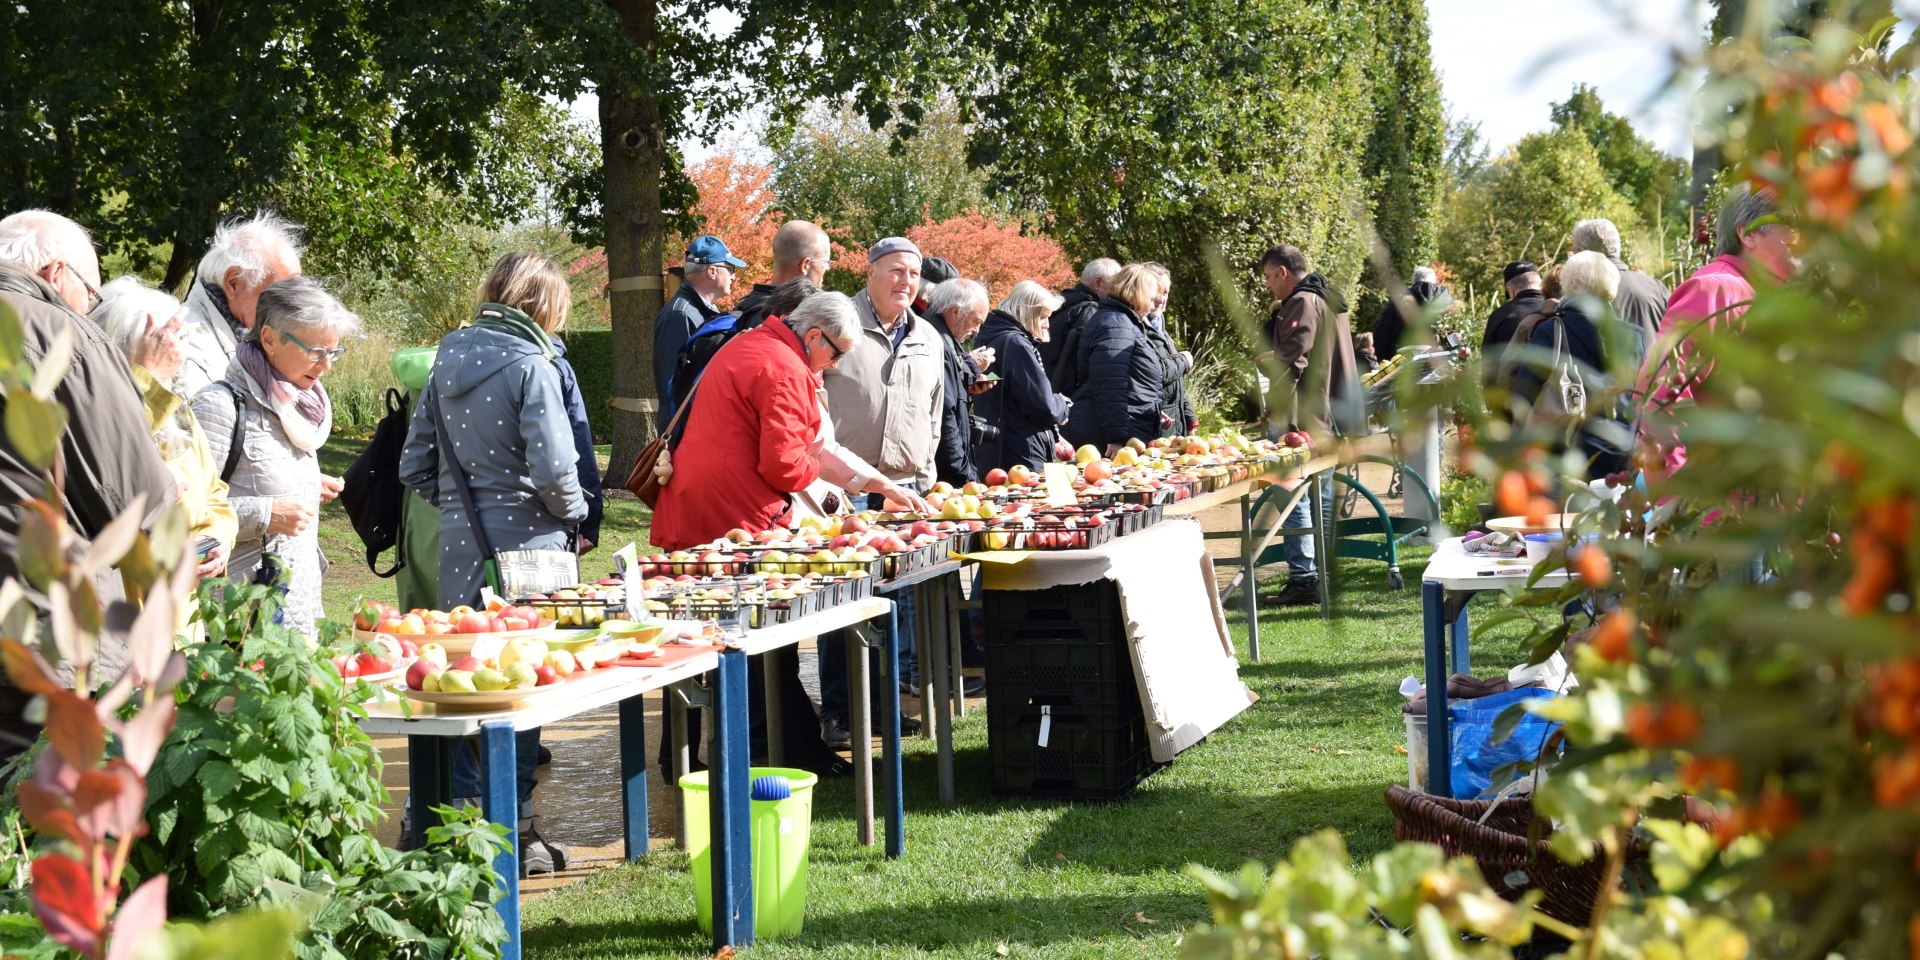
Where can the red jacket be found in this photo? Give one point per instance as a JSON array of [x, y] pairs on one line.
[[748, 443]]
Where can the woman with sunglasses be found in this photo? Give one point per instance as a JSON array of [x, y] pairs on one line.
[[265, 423]]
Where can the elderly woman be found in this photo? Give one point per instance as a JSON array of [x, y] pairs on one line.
[[1024, 407], [1583, 336], [146, 325], [265, 423], [1123, 388], [956, 308], [1176, 362]]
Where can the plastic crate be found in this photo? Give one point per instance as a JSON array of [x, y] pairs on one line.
[[1082, 759], [1091, 677], [1085, 611]]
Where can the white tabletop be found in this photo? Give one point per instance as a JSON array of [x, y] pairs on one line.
[[1455, 569], [606, 686], [1253, 484]]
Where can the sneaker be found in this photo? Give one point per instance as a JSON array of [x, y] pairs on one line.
[[973, 686], [545, 755], [909, 689], [1298, 593], [836, 733]]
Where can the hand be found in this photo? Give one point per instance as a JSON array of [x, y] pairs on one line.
[[900, 499], [330, 487], [289, 519], [215, 564], [1113, 448], [1186, 357], [159, 351], [980, 386], [1165, 421], [1193, 426], [983, 356], [583, 545]]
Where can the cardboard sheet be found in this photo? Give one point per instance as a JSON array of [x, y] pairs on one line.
[[1183, 659]]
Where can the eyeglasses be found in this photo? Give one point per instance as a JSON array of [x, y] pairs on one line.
[[93, 292], [837, 352], [315, 354]]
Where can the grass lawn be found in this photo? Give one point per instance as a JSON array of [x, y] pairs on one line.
[[1053, 879]]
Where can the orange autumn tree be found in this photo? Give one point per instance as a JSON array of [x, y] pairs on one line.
[[997, 252], [737, 205]]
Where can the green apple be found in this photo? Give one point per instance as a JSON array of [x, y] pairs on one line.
[[1086, 454], [522, 650], [435, 653], [520, 676], [456, 681], [489, 679]]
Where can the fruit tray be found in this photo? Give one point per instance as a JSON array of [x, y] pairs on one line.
[[577, 613], [479, 700], [931, 555], [459, 644], [1057, 535]]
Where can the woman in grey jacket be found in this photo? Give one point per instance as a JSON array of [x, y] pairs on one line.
[[272, 405], [494, 394]]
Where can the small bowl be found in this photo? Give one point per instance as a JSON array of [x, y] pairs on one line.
[[1539, 545], [644, 632]]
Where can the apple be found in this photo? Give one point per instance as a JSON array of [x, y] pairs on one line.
[[1086, 454], [411, 623], [458, 681], [409, 650], [562, 662], [953, 509], [434, 652], [854, 524], [371, 664], [439, 629], [998, 477], [471, 622], [521, 676], [455, 613], [545, 675], [469, 664], [495, 625], [941, 487], [388, 624], [346, 666], [1099, 470], [419, 672], [1295, 439], [739, 535], [522, 650]]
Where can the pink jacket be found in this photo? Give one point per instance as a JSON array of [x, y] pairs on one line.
[[1702, 305]]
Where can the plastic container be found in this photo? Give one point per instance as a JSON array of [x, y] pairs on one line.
[[1541, 544], [1416, 750], [780, 822]]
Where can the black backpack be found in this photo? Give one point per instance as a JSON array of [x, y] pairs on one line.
[[694, 356], [372, 493]]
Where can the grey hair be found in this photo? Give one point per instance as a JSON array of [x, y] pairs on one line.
[[125, 305], [1100, 269], [298, 305], [1592, 273], [1742, 206], [35, 238], [958, 292], [1425, 274], [253, 245], [1028, 303], [1598, 234], [829, 312]]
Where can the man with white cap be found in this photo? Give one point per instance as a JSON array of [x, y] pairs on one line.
[[706, 277]]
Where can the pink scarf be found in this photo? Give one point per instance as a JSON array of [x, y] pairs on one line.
[[312, 404]]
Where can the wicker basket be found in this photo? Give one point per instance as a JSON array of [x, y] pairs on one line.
[[1512, 863]]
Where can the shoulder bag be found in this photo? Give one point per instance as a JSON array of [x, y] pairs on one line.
[[645, 479], [1564, 394]]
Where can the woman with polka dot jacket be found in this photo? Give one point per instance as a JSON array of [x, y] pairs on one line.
[[497, 394]]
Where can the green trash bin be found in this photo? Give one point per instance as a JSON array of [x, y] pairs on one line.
[[779, 826]]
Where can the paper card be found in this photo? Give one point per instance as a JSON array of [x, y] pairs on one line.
[[1059, 479], [996, 556], [626, 558]]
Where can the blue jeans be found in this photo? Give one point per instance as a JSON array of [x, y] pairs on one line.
[[466, 766], [1299, 550]]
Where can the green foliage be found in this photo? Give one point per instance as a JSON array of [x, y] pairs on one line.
[[1460, 497], [591, 354], [1653, 182], [1404, 159]]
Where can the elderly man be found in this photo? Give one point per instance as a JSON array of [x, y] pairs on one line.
[[957, 308], [248, 255], [1642, 300], [1077, 304], [1524, 299], [705, 277], [1310, 350], [885, 397], [800, 249], [50, 278]]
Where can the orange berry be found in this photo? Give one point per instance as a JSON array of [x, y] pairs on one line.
[[1593, 566], [1538, 510], [1896, 779], [1612, 637], [1707, 772], [1737, 822], [1511, 494], [1776, 812], [1662, 725], [1682, 723]]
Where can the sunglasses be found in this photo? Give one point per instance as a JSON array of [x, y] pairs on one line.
[[315, 354], [837, 352]]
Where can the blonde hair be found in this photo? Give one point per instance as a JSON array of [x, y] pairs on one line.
[[1135, 285], [1591, 273], [532, 284], [1028, 303]]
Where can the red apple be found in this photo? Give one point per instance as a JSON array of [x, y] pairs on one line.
[[420, 670], [514, 623], [1063, 451], [471, 623], [409, 649], [468, 663], [996, 477], [853, 524], [495, 625], [346, 667], [371, 664], [544, 675]]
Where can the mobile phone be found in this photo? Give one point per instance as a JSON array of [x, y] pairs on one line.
[[204, 547], [989, 378]]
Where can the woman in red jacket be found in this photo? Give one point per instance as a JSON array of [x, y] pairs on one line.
[[753, 437]]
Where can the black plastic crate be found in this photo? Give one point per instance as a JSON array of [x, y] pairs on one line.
[[1082, 760], [1089, 677], [1076, 611]]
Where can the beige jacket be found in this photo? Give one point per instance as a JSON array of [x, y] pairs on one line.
[[885, 402]]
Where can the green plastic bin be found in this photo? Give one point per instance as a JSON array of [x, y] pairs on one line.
[[779, 829]]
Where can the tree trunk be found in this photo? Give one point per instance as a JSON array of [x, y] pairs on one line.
[[632, 150], [180, 265]]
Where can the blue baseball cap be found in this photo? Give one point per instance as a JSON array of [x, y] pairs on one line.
[[707, 249]]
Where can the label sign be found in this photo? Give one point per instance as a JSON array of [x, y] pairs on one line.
[[1059, 479]]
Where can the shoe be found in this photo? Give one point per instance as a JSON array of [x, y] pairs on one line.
[[539, 855], [835, 732], [545, 756], [909, 689], [909, 726], [827, 766], [973, 686], [1298, 593]]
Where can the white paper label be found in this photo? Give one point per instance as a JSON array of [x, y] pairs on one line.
[[1046, 725]]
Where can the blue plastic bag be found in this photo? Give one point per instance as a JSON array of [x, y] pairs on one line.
[[1470, 734]]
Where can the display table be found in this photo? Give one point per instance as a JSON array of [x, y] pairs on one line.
[[432, 736], [1453, 578], [1183, 657]]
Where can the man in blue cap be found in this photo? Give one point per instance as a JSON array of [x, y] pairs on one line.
[[707, 276]]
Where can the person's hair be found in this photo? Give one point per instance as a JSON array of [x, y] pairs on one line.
[[1135, 286], [1597, 234], [125, 305], [829, 312], [1550, 286], [1742, 206], [1425, 274], [958, 292], [35, 238], [252, 244], [531, 284], [799, 240], [1363, 339], [1028, 303], [788, 296], [299, 305], [1159, 270], [1592, 273], [1287, 257], [1526, 281], [1099, 269]]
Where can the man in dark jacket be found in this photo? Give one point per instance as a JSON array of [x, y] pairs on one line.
[[1077, 305], [1523, 298], [800, 249], [706, 277], [1316, 389], [957, 308], [49, 280], [1400, 313], [1641, 300]]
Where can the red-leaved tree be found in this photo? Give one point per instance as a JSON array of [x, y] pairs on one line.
[[997, 252]]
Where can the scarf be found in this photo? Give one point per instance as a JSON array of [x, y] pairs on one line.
[[305, 415], [507, 320], [218, 298]]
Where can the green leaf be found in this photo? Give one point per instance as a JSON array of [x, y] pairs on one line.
[[218, 779], [34, 427]]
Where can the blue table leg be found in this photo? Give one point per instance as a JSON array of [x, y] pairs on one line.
[[1433, 601], [1462, 657], [893, 788], [502, 802], [727, 788], [633, 774], [429, 783]]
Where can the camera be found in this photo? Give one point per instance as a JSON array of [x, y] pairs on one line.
[[979, 431]]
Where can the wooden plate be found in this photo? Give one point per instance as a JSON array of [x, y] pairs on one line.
[[479, 700], [1556, 523], [460, 644]]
